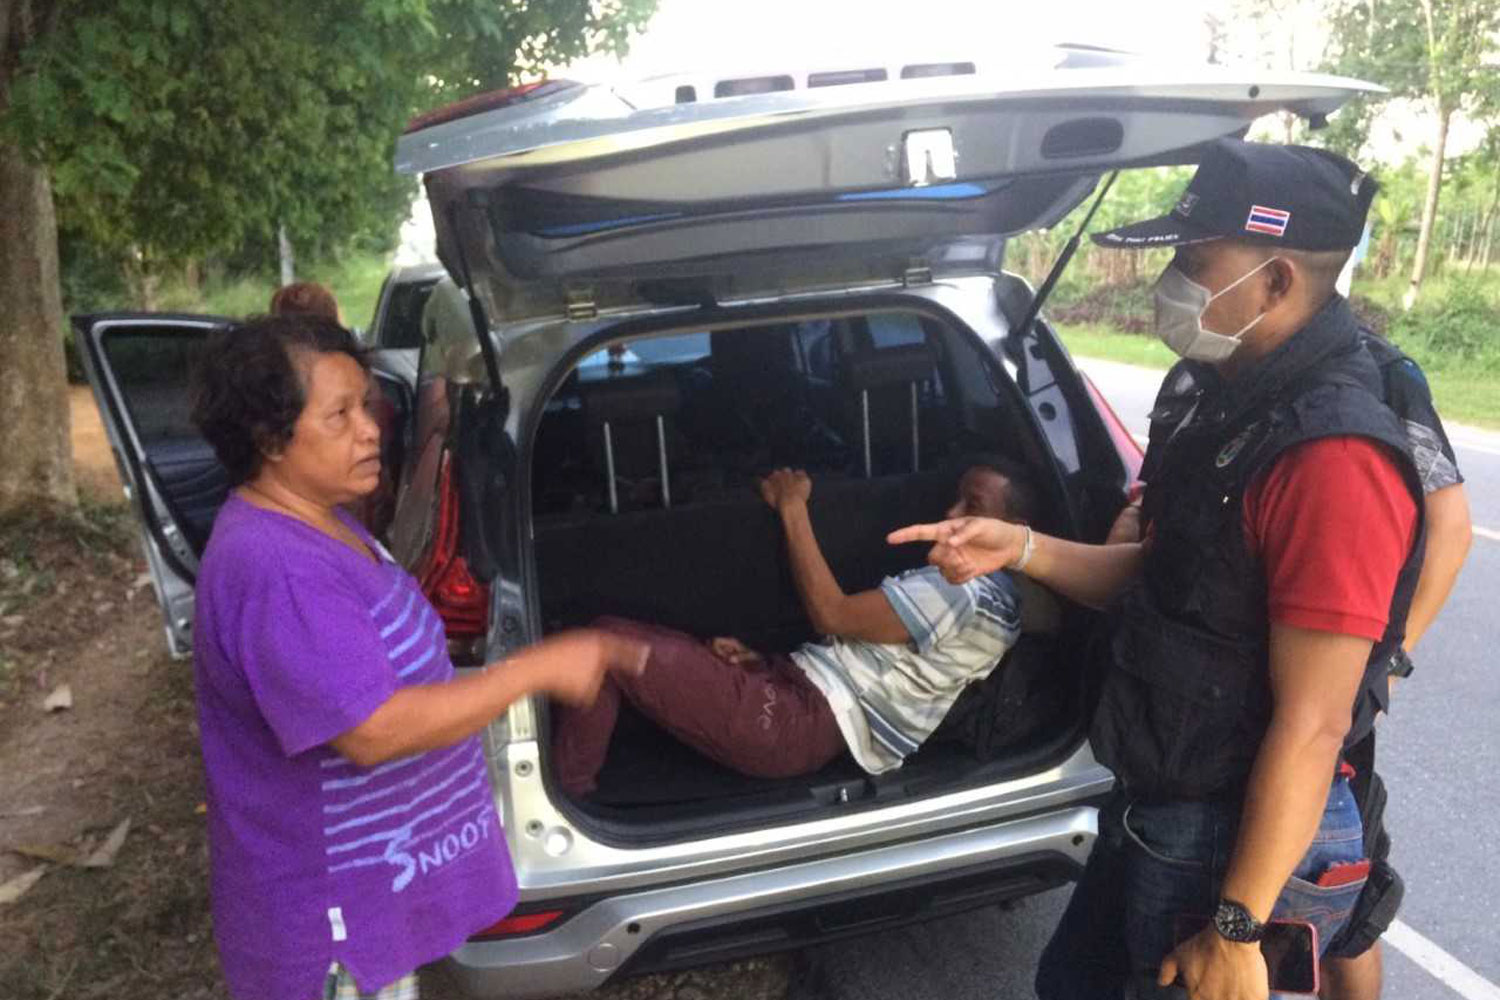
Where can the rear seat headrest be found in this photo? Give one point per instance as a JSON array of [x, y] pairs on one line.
[[889, 366], [630, 397]]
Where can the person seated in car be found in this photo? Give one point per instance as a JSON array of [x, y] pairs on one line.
[[894, 661]]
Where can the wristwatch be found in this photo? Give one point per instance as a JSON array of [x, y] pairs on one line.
[[1235, 922], [1400, 664]]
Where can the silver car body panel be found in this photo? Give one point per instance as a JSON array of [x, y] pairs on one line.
[[574, 203], [583, 952], [588, 122], [554, 856]]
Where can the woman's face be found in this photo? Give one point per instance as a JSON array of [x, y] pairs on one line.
[[333, 456]]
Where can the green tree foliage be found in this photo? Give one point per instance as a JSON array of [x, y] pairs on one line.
[[179, 128], [1137, 194], [1440, 52], [175, 129]]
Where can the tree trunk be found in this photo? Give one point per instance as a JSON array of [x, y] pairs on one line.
[[143, 279], [34, 429], [1429, 209], [1489, 222], [35, 432], [288, 260]]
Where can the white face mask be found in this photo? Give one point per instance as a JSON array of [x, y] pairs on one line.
[[1180, 305]]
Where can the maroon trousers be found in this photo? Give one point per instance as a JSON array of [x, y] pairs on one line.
[[766, 719]]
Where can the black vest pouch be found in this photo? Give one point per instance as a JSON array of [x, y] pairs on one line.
[[1179, 712]]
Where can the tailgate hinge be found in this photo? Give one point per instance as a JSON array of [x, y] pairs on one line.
[[917, 272], [581, 304]]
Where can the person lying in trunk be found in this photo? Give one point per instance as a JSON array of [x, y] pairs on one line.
[[894, 660]]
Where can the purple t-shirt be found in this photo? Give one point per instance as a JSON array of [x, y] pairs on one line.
[[298, 638]]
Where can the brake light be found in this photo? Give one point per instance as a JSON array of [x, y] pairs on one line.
[[490, 101], [518, 924], [462, 601], [1125, 443]]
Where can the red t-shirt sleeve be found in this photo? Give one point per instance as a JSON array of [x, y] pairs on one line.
[[1332, 522]]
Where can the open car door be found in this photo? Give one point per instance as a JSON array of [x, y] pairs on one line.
[[140, 366]]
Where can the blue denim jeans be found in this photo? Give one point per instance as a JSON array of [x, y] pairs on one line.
[[1154, 864]]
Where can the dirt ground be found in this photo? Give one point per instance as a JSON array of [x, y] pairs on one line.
[[77, 610]]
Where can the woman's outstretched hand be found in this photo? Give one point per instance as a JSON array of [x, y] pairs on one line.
[[575, 663], [966, 547]]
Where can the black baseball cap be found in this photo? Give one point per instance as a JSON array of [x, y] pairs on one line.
[[1291, 196]]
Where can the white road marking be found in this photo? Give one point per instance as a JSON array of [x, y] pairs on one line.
[[1437, 963], [1473, 438], [1463, 445]]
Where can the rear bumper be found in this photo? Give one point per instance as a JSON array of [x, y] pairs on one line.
[[792, 905]]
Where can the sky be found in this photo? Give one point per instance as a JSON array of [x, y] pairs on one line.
[[689, 34]]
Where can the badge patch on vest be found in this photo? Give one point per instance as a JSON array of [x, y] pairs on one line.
[[1231, 451]]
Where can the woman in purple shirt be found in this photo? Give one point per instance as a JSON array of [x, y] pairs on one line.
[[353, 834]]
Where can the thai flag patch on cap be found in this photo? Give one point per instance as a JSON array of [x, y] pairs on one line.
[[1271, 221]]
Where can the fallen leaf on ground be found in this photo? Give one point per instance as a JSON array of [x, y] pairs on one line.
[[56, 853], [105, 855], [17, 887], [60, 698], [19, 813]]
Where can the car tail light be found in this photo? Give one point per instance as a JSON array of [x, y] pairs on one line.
[[462, 601], [490, 101], [1125, 443], [518, 924]]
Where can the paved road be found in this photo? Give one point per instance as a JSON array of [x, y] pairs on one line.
[[1440, 759]]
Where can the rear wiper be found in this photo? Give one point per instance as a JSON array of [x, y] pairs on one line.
[[1018, 332]]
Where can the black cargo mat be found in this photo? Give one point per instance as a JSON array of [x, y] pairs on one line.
[[646, 766]]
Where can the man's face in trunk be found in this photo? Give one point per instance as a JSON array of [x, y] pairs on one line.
[[982, 492]]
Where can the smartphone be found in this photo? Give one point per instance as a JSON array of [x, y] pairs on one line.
[[1290, 948]]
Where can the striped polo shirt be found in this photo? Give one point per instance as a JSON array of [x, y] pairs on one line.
[[888, 698]]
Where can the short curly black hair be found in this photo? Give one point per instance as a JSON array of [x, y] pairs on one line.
[[247, 392]]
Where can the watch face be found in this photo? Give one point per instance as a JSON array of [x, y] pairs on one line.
[[1235, 923]]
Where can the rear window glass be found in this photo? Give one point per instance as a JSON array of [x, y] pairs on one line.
[[849, 396], [678, 348], [895, 330], [401, 326], [752, 85]]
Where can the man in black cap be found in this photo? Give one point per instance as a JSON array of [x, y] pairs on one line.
[[1352, 967], [1252, 629]]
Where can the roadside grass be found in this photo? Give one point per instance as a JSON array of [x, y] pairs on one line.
[[1387, 291], [1098, 340], [355, 281], [1467, 393]]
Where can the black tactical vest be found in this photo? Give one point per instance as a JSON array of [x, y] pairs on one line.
[[1187, 701]]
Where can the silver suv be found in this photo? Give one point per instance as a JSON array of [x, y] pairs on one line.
[[655, 293]]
